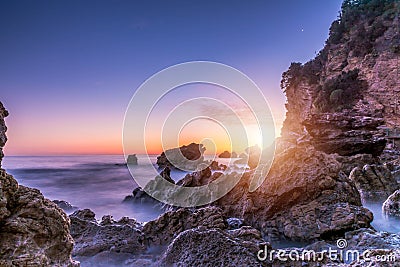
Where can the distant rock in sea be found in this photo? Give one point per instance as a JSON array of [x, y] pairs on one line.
[[132, 159], [225, 154]]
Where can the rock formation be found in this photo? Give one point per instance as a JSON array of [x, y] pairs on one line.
[[126, 242], [3, 129], [225, 154], [307, 196], [132, 159], [336, 106], [66, 206], [34, 231], [211, 247], [91, 238], [374, 182], [183, 158], [392, 205]]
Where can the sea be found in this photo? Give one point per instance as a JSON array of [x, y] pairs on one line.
[[101, 182], [97, 182]]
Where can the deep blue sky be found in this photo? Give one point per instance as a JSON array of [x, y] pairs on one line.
[[69, 68]]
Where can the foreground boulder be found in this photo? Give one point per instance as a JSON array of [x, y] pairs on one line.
[[91, 237], [33, 230], [213, 247], [166, 227], [374, 182], [128, 243]]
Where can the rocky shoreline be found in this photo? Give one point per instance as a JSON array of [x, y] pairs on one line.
[[332, 156]]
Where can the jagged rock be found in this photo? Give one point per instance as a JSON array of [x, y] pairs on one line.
[[307, 197], [140, 196], [184, 158], [234, 223], [165, 228], [251, 157], [209, 247], [66, 206], [374, 182], [33, 230], [3, 129], [359, 160], [132, 159], [225, 154], [392, 205], [129, 243], [346, 133], [378, 244], [198, 178], [91, 237], [215, 166]]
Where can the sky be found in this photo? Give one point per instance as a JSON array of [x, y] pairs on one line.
[[68, 69]]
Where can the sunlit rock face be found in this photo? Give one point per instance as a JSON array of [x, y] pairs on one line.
[[336, 106], [304, 197], [343, 95], [33, 230]]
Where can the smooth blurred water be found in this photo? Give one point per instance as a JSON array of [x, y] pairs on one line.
[[98, 182], [382, 222]]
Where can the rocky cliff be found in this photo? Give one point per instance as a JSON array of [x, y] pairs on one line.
[[352, 87], [336, 106], [33, 230]]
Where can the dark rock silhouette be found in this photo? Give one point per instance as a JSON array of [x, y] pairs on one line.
[[225, 154], [132, 159], [184, 158]]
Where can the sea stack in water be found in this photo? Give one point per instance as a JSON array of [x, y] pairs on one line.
[[225, 154], [132, 160]]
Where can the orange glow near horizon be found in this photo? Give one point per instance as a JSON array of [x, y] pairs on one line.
[[91, 141]]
